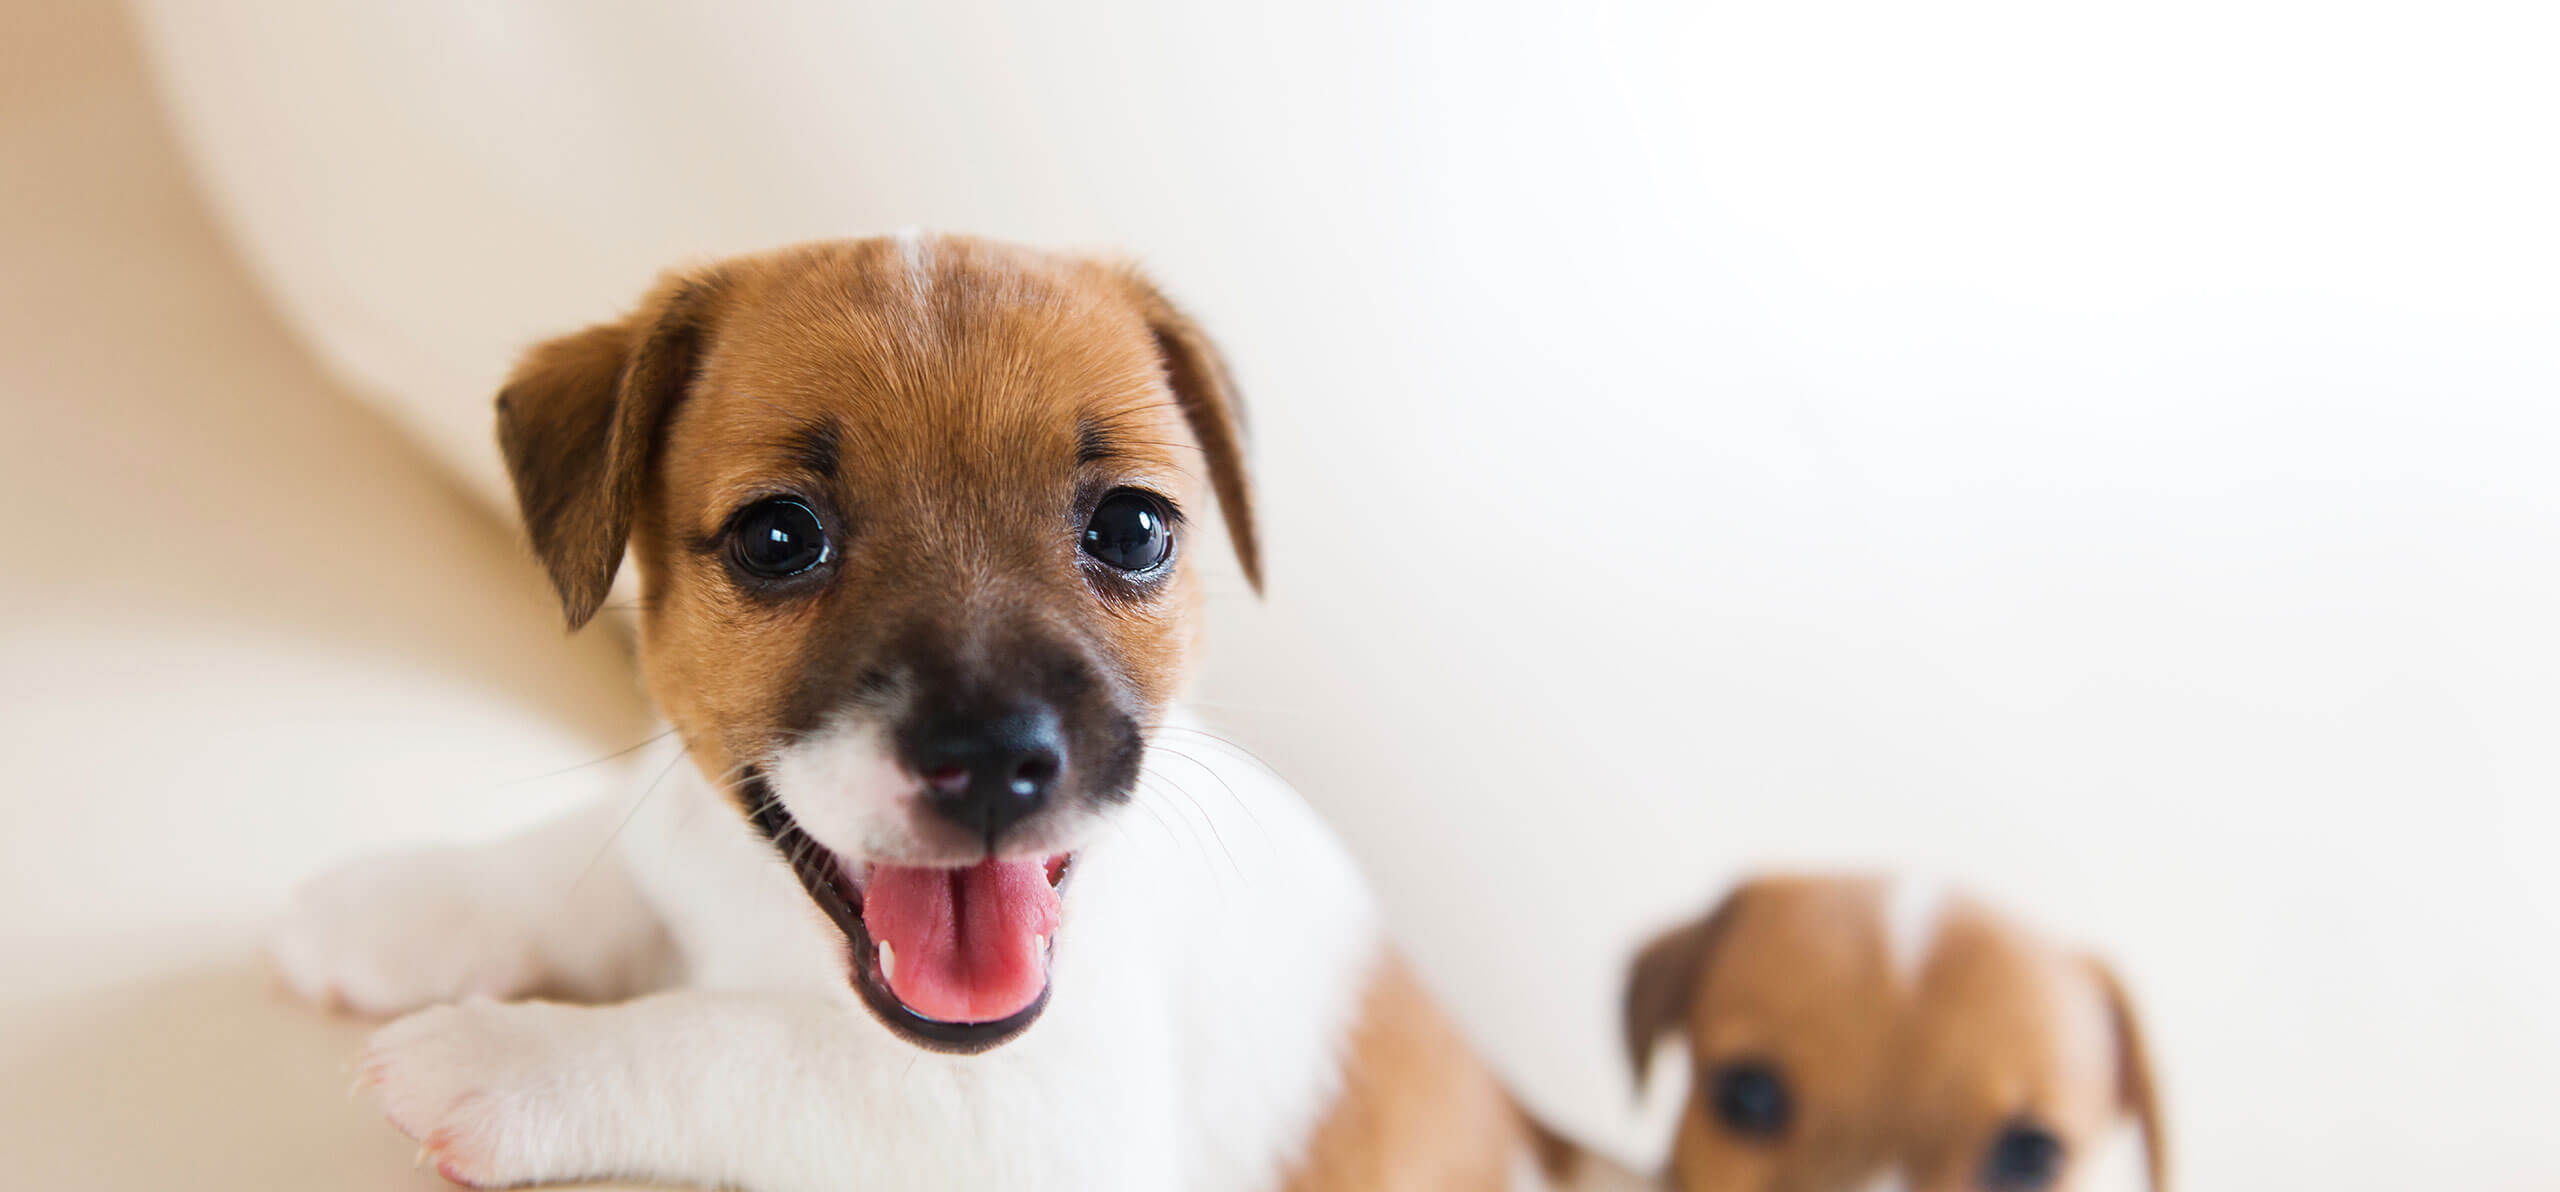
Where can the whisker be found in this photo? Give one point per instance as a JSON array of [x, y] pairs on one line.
[[1197, 702], [1155, 813], [1232, 795], [1204, 819], [646, 793], [652, 739], [1229, 745], [649, 792]]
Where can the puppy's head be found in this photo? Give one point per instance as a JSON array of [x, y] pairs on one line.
[[910, 518], [1849, 1035]]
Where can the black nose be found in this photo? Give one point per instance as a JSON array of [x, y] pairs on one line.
[[988, 774]]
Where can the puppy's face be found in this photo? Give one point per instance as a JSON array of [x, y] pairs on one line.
[[910, 518], [1844, 1039]]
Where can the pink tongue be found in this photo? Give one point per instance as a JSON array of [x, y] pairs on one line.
[[963, 945]]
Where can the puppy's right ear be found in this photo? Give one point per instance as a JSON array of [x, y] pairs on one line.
[[576, 423], [1197, 374], [2137, 1086], [1664, 981]]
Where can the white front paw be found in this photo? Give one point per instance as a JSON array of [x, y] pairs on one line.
[[478, 1085], [393, 933]]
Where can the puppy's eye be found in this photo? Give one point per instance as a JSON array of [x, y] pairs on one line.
[[777, 538], [1130, 530], [2024, 1158], [1750, 1098]]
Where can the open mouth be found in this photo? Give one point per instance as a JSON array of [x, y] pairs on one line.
[[952, 959]]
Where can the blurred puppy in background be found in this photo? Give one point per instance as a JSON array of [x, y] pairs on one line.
[[1859, 1034]]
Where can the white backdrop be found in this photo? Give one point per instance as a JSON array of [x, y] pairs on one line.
[[2107, 456]]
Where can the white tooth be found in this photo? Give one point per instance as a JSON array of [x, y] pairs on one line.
[[1044, 947], [888, 962]]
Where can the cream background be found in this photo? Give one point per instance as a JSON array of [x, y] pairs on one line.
[[2106, 457]]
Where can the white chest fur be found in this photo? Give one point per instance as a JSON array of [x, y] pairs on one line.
[[1214, 952]]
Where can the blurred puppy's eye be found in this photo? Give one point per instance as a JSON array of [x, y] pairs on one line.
[[1130, 530], [2024, 1158], [1750, 1098], [778, 538]]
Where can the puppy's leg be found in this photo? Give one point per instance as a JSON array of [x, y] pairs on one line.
[[770, 1092], [550, 911], [680, 1086]]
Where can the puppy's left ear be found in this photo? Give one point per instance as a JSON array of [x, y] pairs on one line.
[[1198, 377], [2137, 1086]]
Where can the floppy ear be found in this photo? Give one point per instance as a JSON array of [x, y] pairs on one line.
[[2137, 1087], [1664, 981], [1198, 376], [576, 422]]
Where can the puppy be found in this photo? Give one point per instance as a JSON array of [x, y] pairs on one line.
[[1857, 1034], [957, 896]]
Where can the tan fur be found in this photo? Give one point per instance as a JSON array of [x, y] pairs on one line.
[[1913, 1070], [1418, 1112]]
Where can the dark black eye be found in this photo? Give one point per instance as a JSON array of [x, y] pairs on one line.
[[778, 538], [1750, 1099], [2024, 1158], [1130, 530]]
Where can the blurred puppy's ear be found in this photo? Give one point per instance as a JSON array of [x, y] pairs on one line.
[[2136, 1084], [1197, 374], [1664, 981], [576, 423]]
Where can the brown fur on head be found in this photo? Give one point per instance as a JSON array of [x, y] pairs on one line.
[[953, 412], [1833, 1048]]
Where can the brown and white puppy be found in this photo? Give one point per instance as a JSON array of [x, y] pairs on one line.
[[1863, 1034], [959, 896]]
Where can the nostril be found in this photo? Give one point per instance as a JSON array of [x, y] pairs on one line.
[[948, 780], [1033, 774]]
